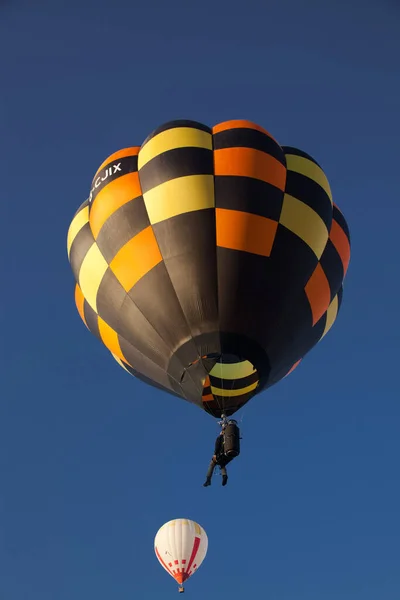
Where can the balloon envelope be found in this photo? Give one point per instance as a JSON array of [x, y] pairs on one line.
[[209, 261], [181, 546]]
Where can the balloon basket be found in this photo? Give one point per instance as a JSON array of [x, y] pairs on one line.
[[181, 589]]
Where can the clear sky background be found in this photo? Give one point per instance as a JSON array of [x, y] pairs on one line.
[[94, 462]]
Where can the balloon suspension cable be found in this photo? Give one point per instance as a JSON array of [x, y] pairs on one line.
[[224, 421]]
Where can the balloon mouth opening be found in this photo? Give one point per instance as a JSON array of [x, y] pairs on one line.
[[221, 383], [181, 578], [231, 381]]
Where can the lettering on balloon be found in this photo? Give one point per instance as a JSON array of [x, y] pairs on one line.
[[111, 172]]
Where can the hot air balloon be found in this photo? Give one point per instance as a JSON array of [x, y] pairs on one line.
[[181, 546], [209, 261]]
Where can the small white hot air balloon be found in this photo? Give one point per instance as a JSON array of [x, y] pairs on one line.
[[181, 546]]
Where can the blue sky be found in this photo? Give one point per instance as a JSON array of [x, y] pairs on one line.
[[92, 461]]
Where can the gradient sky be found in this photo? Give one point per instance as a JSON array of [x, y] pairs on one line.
[[94, 462]]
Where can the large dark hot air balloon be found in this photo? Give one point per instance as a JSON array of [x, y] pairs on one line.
[[209, 261]]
